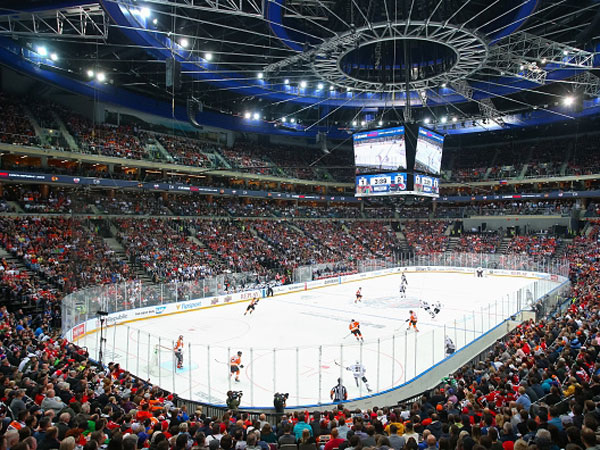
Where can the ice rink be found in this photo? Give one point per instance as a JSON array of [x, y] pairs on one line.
[[300, 343]]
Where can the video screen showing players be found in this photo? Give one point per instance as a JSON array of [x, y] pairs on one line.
[[380, 149], [428, 156]]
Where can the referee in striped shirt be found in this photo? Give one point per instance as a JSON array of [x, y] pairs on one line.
[[338, 392]]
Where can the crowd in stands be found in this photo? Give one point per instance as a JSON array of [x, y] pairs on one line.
[[426, 236], [534, 245], [63, 251], [478, 243], [185, 151], [15, 127]]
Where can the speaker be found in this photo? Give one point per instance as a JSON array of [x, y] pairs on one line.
[[173, 74]]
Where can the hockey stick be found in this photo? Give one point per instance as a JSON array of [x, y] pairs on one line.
[[348, 335], [220, 362]]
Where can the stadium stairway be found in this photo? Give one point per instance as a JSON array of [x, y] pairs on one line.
[[154, 147], [503, 248], [562, 248], [39, 132], [116, 247], [65, 132], [403, 244], [452, 243], [15, 206], [220, 159]]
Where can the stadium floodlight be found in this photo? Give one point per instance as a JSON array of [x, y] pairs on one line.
[[380, 123], [427, 120], [454, 119], [53, 56], [568, 100], [90, 73], [349, 90], [293, 120], [444, 85], [363, 123], [566, 52], [41, 50], [155, 21], [101, 77], [354, 123], [247, 115], [303, 84], [256, 116], [444, 119], [184, 43], [332, 87], [320, 86], [284, 119], [544, 60], [286, 81], [145, 12], [260, 75], [208, 56]]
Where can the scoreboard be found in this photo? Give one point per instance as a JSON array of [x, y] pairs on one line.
[[397, 183]]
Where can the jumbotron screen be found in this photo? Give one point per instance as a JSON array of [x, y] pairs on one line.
[[380, 149], [428, 156]]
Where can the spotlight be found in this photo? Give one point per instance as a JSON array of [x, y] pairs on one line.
[[543, 60], [286, 81], [454, 119], [101, 77], [145, 12], [256, 116], [303, 84], [521, 67], [90, 73], [53, 56], [380, 123], [444, 85], [292, 120], [155, 21], [363, 123], [247, 115], [444, 119], [568, 100], [566, 52], [320, 86], [354, 123], [260, 75], [208, 56], [284, 119], [331, 88], [427, 120], [184, 43], [349, 90], [42, 51]]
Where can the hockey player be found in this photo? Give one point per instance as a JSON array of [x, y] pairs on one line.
[[358, 295], [355, 330], [436, 310], [412, 321], [179, 352], [403, 280], [450, 347], [251, 306], [426, 307], [358, 370], [403, 291], [235, 364], [479, 272]]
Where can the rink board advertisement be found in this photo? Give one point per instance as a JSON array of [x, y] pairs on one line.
[[92, 325]]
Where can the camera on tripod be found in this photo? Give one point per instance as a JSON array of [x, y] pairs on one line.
[[279, 401], [233, 399]]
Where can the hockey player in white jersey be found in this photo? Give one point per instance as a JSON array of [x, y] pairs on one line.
[[402, 291], [403, 280], [450, 347], [358, 371], [435, 310]]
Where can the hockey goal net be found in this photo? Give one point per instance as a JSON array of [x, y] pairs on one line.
[[162, 358]]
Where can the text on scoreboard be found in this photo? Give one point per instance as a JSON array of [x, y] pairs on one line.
[[396, 183]]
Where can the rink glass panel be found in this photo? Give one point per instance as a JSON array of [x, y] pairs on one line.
[[305, 372]]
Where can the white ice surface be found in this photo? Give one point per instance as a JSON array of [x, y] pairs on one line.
[[310, 327]]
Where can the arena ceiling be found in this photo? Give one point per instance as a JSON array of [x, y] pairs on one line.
[[303, 64]]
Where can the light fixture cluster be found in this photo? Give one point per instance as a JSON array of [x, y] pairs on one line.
[[43, 51]]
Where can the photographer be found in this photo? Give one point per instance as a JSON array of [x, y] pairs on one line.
[[233, 399], [279, 402]]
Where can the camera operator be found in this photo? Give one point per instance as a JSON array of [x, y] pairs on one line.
[[279, 401], [233, 399]]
